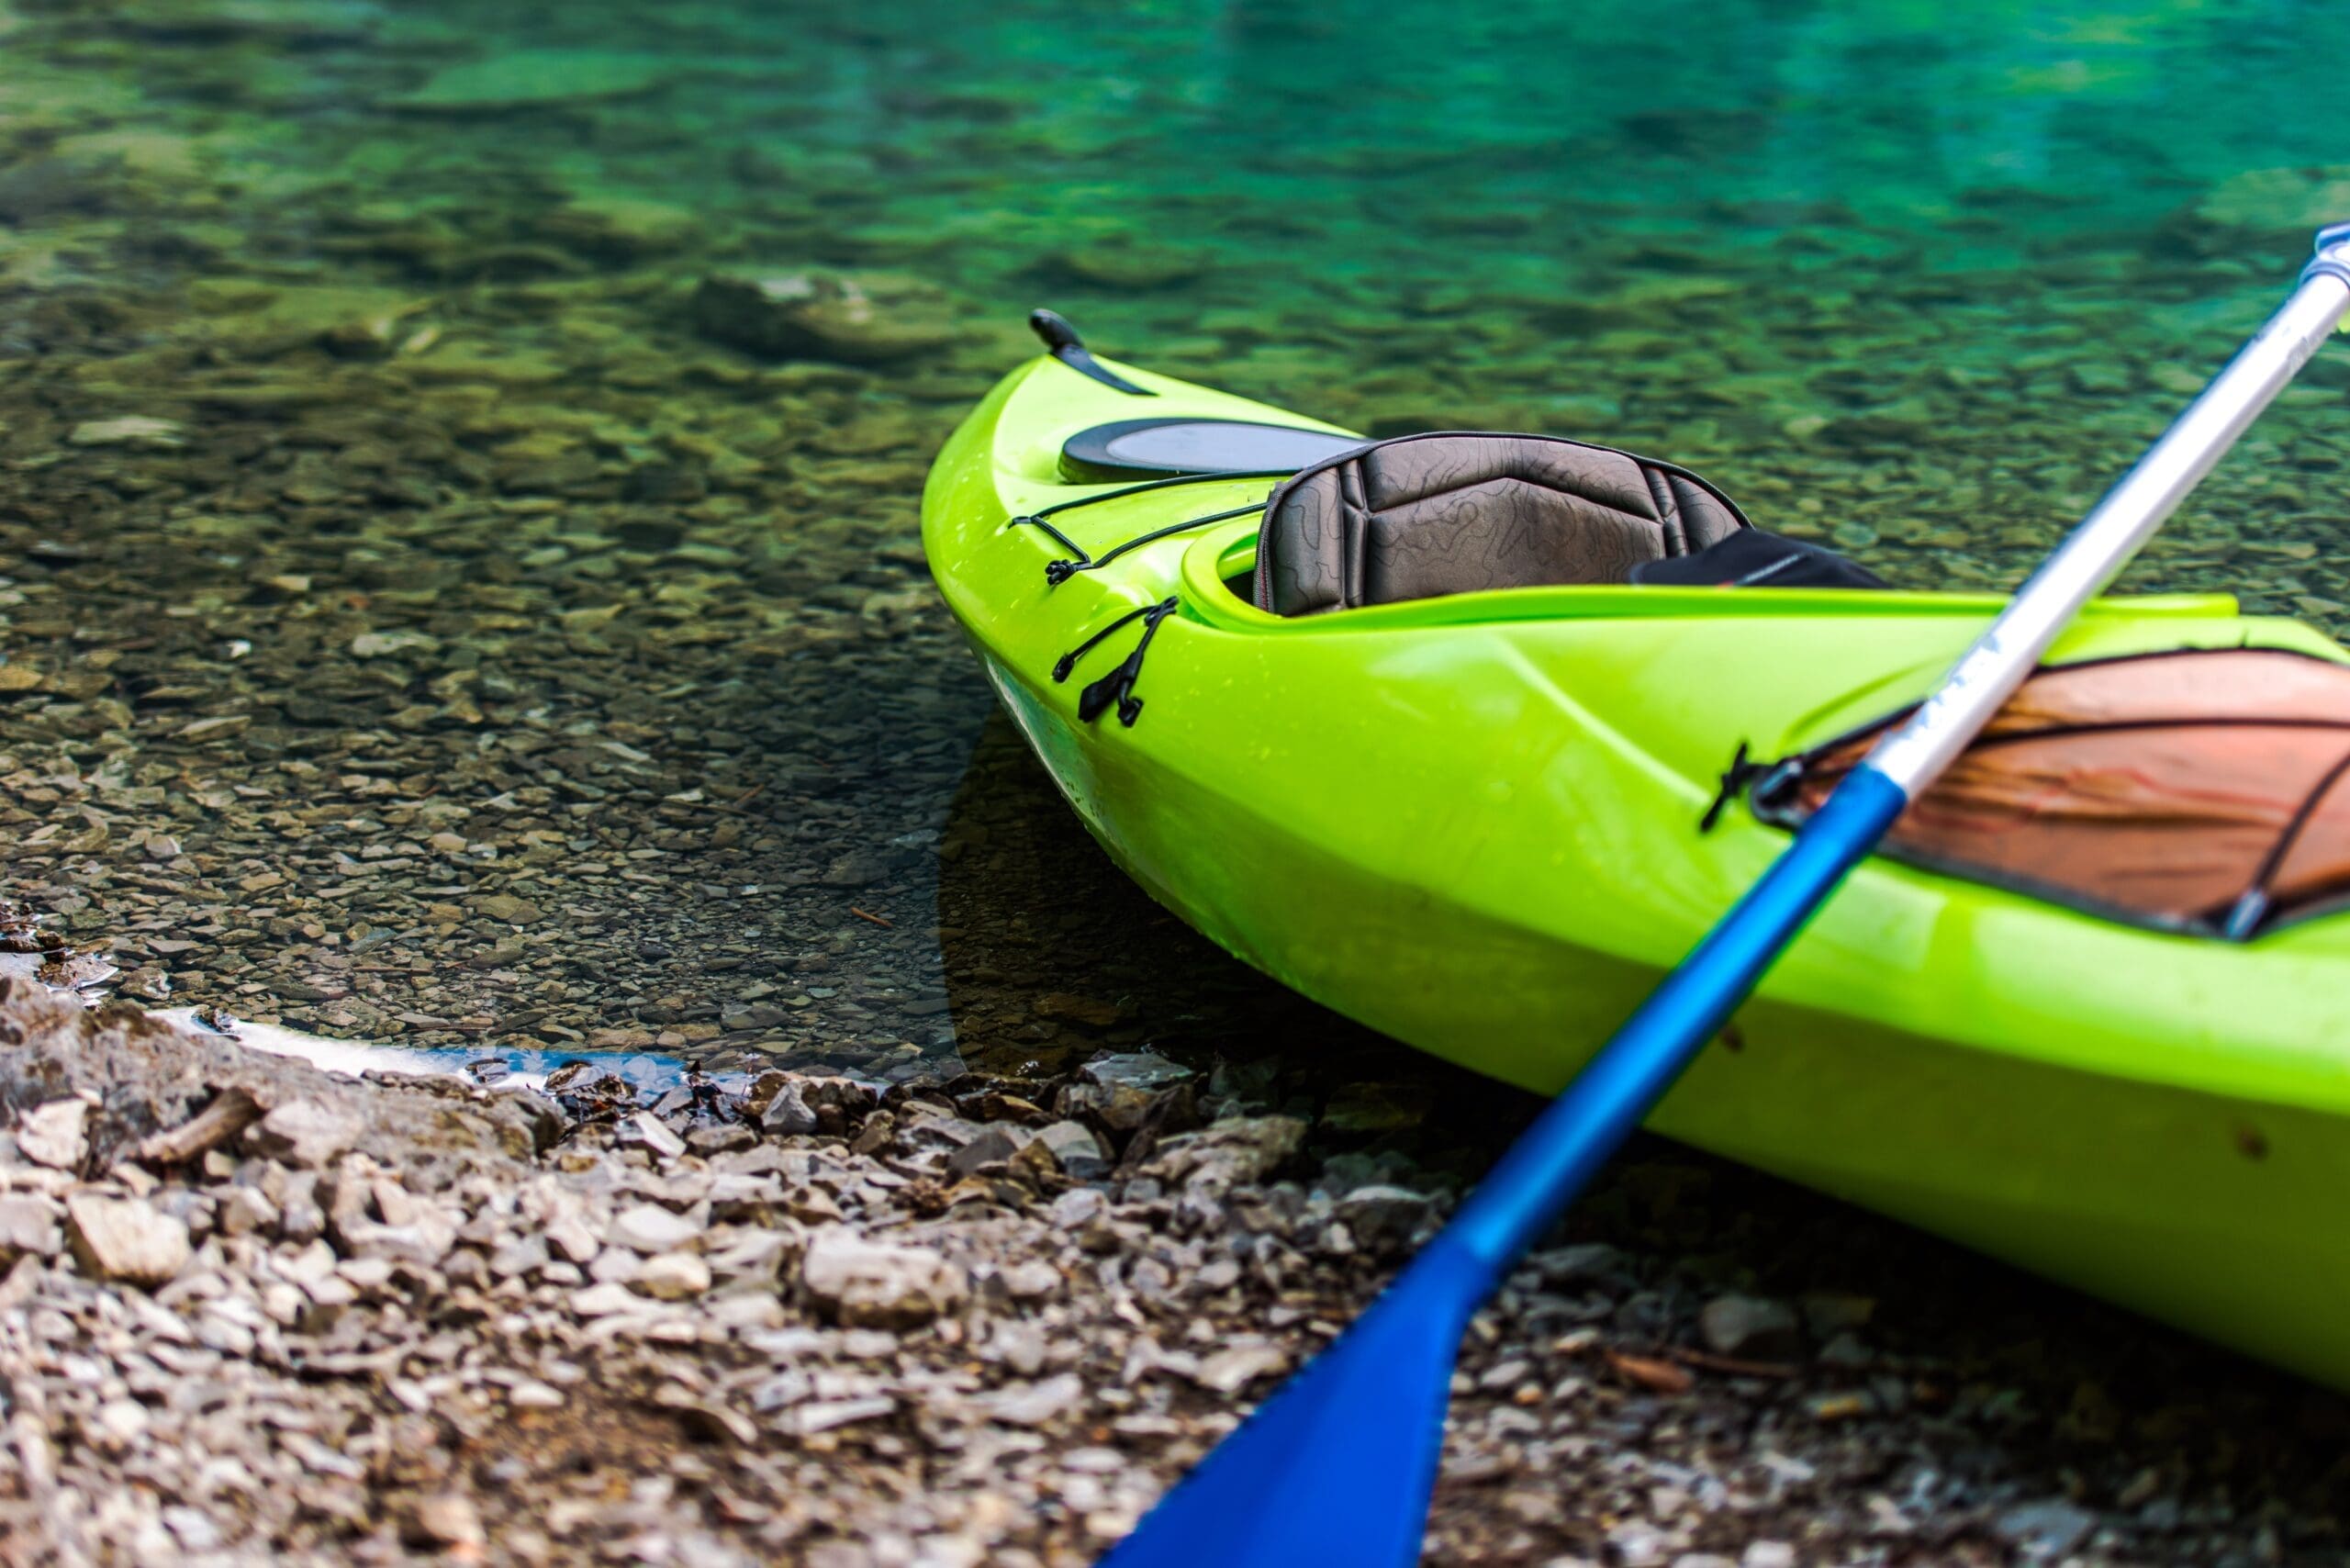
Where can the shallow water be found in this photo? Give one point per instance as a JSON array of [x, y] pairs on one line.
[[423, 624]]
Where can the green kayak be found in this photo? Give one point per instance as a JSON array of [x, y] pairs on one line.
[[1420, 766]]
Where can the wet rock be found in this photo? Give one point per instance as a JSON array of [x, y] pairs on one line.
[[125, 1239], [991, 1152], [1750, 1328], [861, 320], [2045, 1530], [1368, 1109], [874, 1284], [615, 229], [1076, 1150], [132, 431], [2274, 201], [305, 1133], [1125, 264], [1244, 1148], [515, 81], [387, 645], [1066, 1007], [1383, 1219]]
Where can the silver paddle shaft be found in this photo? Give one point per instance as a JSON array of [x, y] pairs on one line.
[[2082, 567]]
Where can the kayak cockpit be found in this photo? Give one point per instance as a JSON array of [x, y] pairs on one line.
[[1429, 516]]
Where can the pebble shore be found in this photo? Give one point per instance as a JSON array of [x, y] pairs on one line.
[[254, 1311]]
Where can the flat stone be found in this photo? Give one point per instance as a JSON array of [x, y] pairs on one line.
[[649, 1228], [384, 645], [650, 1131], [876, 1285], [1230, 1370], [506, 907], [2046, 1530], [672, 1276], [992, 1149], [512, 81], [52, 1135], [28, 1225], [133, 430], [1750, 1328], [1134, 1070], [1244, 1148], [1076, 1149], [1379, 1217], [1033, 1403], [309, 1133], [125, 1239]]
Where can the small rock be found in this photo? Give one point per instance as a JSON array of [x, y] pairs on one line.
[[1829, 1313], [1076, 1150], [649, 1228], [1244, 1148], [991, 1150], [2046, 1530], [875, 1285], [672, 1276], [861, 320], [1749, 1328], [448, 1521], [652, 1133], [28, 1225], [1066, 1007], [1035, 1404], [382, 645], [1230, 1370], [309, 1133], [1383, 1217], [124, 1238], [52, 1135], [134, 429], [531, 1395], [507, 907], [1134, 1070]]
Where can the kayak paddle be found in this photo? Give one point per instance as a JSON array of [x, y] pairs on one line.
[[1334, 1469]]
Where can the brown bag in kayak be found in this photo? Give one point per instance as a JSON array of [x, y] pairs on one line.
[[2203, 789]]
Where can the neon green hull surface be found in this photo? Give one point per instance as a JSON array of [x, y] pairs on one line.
[[1471, 824]]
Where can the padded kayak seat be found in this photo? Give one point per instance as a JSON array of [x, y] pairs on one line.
[[1422, 516]]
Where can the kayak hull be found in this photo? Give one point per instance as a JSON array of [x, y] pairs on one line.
[[1473, 826]]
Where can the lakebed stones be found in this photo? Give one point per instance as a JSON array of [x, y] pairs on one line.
[[851, 319]]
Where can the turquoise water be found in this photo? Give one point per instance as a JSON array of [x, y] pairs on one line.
[[399, 304]]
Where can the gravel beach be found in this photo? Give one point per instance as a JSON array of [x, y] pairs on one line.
[[253, 1311]]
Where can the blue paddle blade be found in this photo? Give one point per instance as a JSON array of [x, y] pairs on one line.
[[1335, 1468]]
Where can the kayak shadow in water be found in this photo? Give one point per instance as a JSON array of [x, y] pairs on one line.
[[1052, 957]]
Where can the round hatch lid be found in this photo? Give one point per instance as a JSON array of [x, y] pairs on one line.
[[1169, 448]]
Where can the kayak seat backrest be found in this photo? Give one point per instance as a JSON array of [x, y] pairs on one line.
[[1422, 516]]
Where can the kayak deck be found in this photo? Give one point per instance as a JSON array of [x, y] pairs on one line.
[[1472, 822]]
